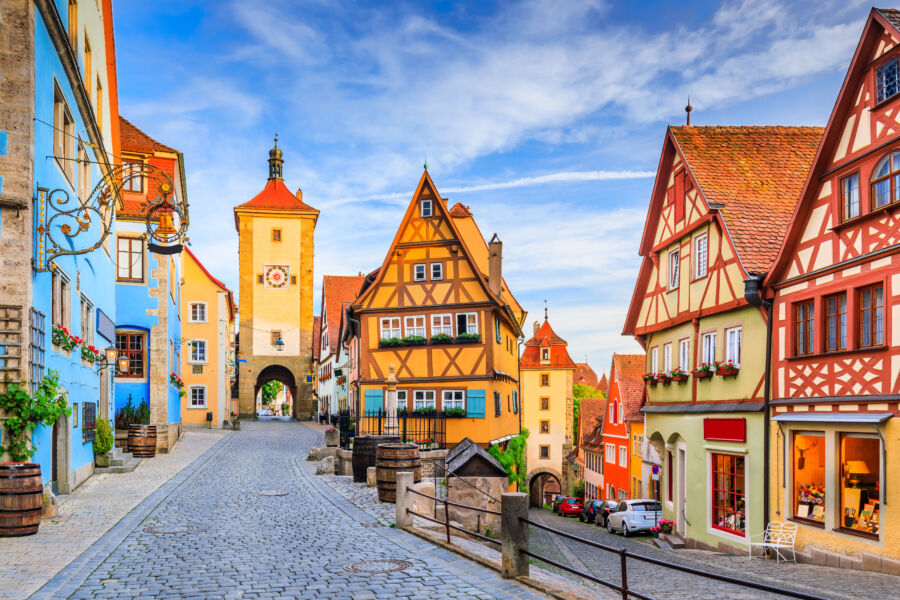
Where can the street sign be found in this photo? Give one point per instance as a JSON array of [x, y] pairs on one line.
[[654, 472]]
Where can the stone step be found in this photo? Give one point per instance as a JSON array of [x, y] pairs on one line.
[[128, 467], [673, 540], [121, 459], [116, 452], [661, 544]]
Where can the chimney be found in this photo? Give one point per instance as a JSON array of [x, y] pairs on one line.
[[537, 325], [495, 264], [299, 194]]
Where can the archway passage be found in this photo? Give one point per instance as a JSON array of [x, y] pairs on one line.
[[283, 376], [542, 488]]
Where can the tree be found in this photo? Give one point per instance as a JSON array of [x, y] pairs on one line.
[[579, 391], [270, 392]]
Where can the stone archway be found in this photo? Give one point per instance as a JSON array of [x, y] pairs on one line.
[[537, 481], [278, 373]]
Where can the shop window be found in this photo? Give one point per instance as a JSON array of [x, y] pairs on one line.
[[861, 483], [728, 493], [809, 477]]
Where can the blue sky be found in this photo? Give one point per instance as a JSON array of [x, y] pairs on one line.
[[545, 117]]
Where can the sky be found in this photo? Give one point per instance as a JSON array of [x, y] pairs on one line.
[[545, 117]]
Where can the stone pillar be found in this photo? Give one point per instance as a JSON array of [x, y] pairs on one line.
[[405, 500], [513, 507]]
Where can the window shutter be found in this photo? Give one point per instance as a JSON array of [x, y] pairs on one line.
[[374, 401], [475, 404], [515, 402]]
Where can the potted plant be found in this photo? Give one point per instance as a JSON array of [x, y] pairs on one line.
[[455, 412], [103, 443], [678, 375], [441, 338], [90, 354], [726, 368], [704, 371], [651, 378], [425, 443], [63, 339], [235, 421], [467, 338], [390, 342], [413, 340], [662, 526]]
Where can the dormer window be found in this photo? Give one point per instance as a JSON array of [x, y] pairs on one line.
[[886, 181], [545, 354], [887, 80], [425, 208]]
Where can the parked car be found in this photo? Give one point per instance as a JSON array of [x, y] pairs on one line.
[[609, 506], [632, 516], [590, 510], [556, 500], [571, 506]]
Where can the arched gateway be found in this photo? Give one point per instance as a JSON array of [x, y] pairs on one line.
[[275, 244], [542, 485]]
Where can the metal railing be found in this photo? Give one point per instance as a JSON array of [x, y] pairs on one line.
[[446, 522], [428, 432]]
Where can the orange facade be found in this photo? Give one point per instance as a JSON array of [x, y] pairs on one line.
[[623, 407]]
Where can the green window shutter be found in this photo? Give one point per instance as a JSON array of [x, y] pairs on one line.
[[475, 404], [374, 401]]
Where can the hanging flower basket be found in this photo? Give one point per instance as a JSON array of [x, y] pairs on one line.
[[175, 380], [62, 338], [90, 354], [678, 376], [704, 371]]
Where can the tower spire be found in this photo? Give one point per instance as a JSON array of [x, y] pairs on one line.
[[545, 310], [688, 110], [276, 162]]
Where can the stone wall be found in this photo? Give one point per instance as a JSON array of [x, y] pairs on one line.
[[471, 491]]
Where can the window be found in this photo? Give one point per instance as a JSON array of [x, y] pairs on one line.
[[198, 396], [63, 135], [861, 483], [545, 426], [423, 399], [836, 322], [88, 421], [441, 325], [709, 347], [622, 495], [673, 269], [611, 453], [498, 407], [98, 103], [545, 353], [809, 476], [684, 354], [621, 407], [497, 335], [728, 493], [88, 64], [850, 196], [670, 477], [804, 328], [87, 322], [733, 339], [133, 175], [276, 235], [198, 351], [84, 173], [871, 316], [437, 271], [545, 403], [390, 327], [323, 346], [701, 255], [61, 292], [130, 259], [73, 25], [887, 80], [38, 348], [612, 412], [198, 312], [545, 379], [402, 401], [654, 360], [467, 323], [415, 326], [623, 456], [132, 346], [419, 272], [425, 208], [667, 358], [274, 336], [886, 181], [453, 399], [545, 452]]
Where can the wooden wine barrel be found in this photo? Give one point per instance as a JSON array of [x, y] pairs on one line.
[[142, 440], [364, 453], [21, 499], [389, 460]]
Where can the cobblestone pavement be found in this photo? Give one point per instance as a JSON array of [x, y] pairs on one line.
[[665, 584], [26, 563], [212, 534]]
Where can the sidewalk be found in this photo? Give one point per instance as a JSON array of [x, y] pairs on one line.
[[26, 563]]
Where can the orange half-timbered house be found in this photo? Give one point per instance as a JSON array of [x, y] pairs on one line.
[[721, 203], [836, 334], [439, 313]]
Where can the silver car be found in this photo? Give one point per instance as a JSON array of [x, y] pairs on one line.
[[631, 516]]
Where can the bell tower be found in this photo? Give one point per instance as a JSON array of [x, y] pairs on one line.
[[276, 251]]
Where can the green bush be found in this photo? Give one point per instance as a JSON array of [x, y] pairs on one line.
[[103, 438], [578, 488], [513, 458], [133, 415], [26, 411], [454, 412]]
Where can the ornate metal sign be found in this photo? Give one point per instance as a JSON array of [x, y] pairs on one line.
[[68, 227]]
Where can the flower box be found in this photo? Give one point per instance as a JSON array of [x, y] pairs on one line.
[[665, 379], [702, 374], [413, 341], [651, 378], [441, 338], [679, 378], [468, 338], [728, 372]]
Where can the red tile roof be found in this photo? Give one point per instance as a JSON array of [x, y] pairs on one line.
[[757, 173], [231, 306], [545, 337], [603, 384], [892, 15], [628, 371], [276, 196], [591, 414], [317, 333], [459, 211], [584, 374], [337, 291], [135, 140]]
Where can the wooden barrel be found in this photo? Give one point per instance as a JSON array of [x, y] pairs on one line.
[[142, 440], [21, 499], [390, 459], [364, 453]]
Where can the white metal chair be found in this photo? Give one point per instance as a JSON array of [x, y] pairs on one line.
[[778, 536]]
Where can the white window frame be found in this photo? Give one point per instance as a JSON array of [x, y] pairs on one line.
[[417, 327], [87, 323], [623, 456], [621, 410], [402, 397], [195, 358], [449, 401], [324, 343], [61, 293], [654, 359], [190, 397], [674, 270], [701, 265], [420, 272], [467, 314], [192, 318], [667, 357], [545, 354], [610, 453], [426, 208], [684, 354], [438, 327], [612, 412], [423, 401], [394, 332], [733, 342], [709, 347], [440, 271]]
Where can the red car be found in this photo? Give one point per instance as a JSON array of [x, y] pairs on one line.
[[571, 506]]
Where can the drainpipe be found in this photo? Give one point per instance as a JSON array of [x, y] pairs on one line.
[[754, 294]]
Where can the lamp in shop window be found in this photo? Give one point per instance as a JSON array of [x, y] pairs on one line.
[[855, 468]]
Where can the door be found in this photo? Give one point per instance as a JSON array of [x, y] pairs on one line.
[[680, 493]]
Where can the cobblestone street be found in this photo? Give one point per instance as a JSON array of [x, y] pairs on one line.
[[252, 522]]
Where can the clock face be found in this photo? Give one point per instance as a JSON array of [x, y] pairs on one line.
[[276, 276]]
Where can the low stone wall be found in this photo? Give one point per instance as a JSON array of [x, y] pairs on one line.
[[429, 458], [469, 491]]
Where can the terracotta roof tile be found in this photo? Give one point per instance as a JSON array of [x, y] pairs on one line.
[[276, 196], [134, 140], [757, 173], [591, 414], [338, 290], [603, 384], [460, 211], [584, 374], [317, 333], [629, 374], [892, 15], [545, 337]]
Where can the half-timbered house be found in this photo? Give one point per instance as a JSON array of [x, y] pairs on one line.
[[835, 353], [440, 314], [720, 205]]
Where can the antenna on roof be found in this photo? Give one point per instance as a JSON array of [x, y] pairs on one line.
[[688, 110]]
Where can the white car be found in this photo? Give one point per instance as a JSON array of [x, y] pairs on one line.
[[631, 516]]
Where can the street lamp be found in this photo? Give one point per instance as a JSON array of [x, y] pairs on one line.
[[113, 359], [279, 344]]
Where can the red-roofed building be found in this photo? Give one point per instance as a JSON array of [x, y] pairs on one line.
[[623, 408], [588, 454], [338, 292], [585, 375], [603, 385]]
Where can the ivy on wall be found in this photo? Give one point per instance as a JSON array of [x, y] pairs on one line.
[[26, 411], [513, 459]]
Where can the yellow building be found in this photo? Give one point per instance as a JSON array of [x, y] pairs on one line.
[[275, 245], [547, 375], [439, 313], [207, 322]]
